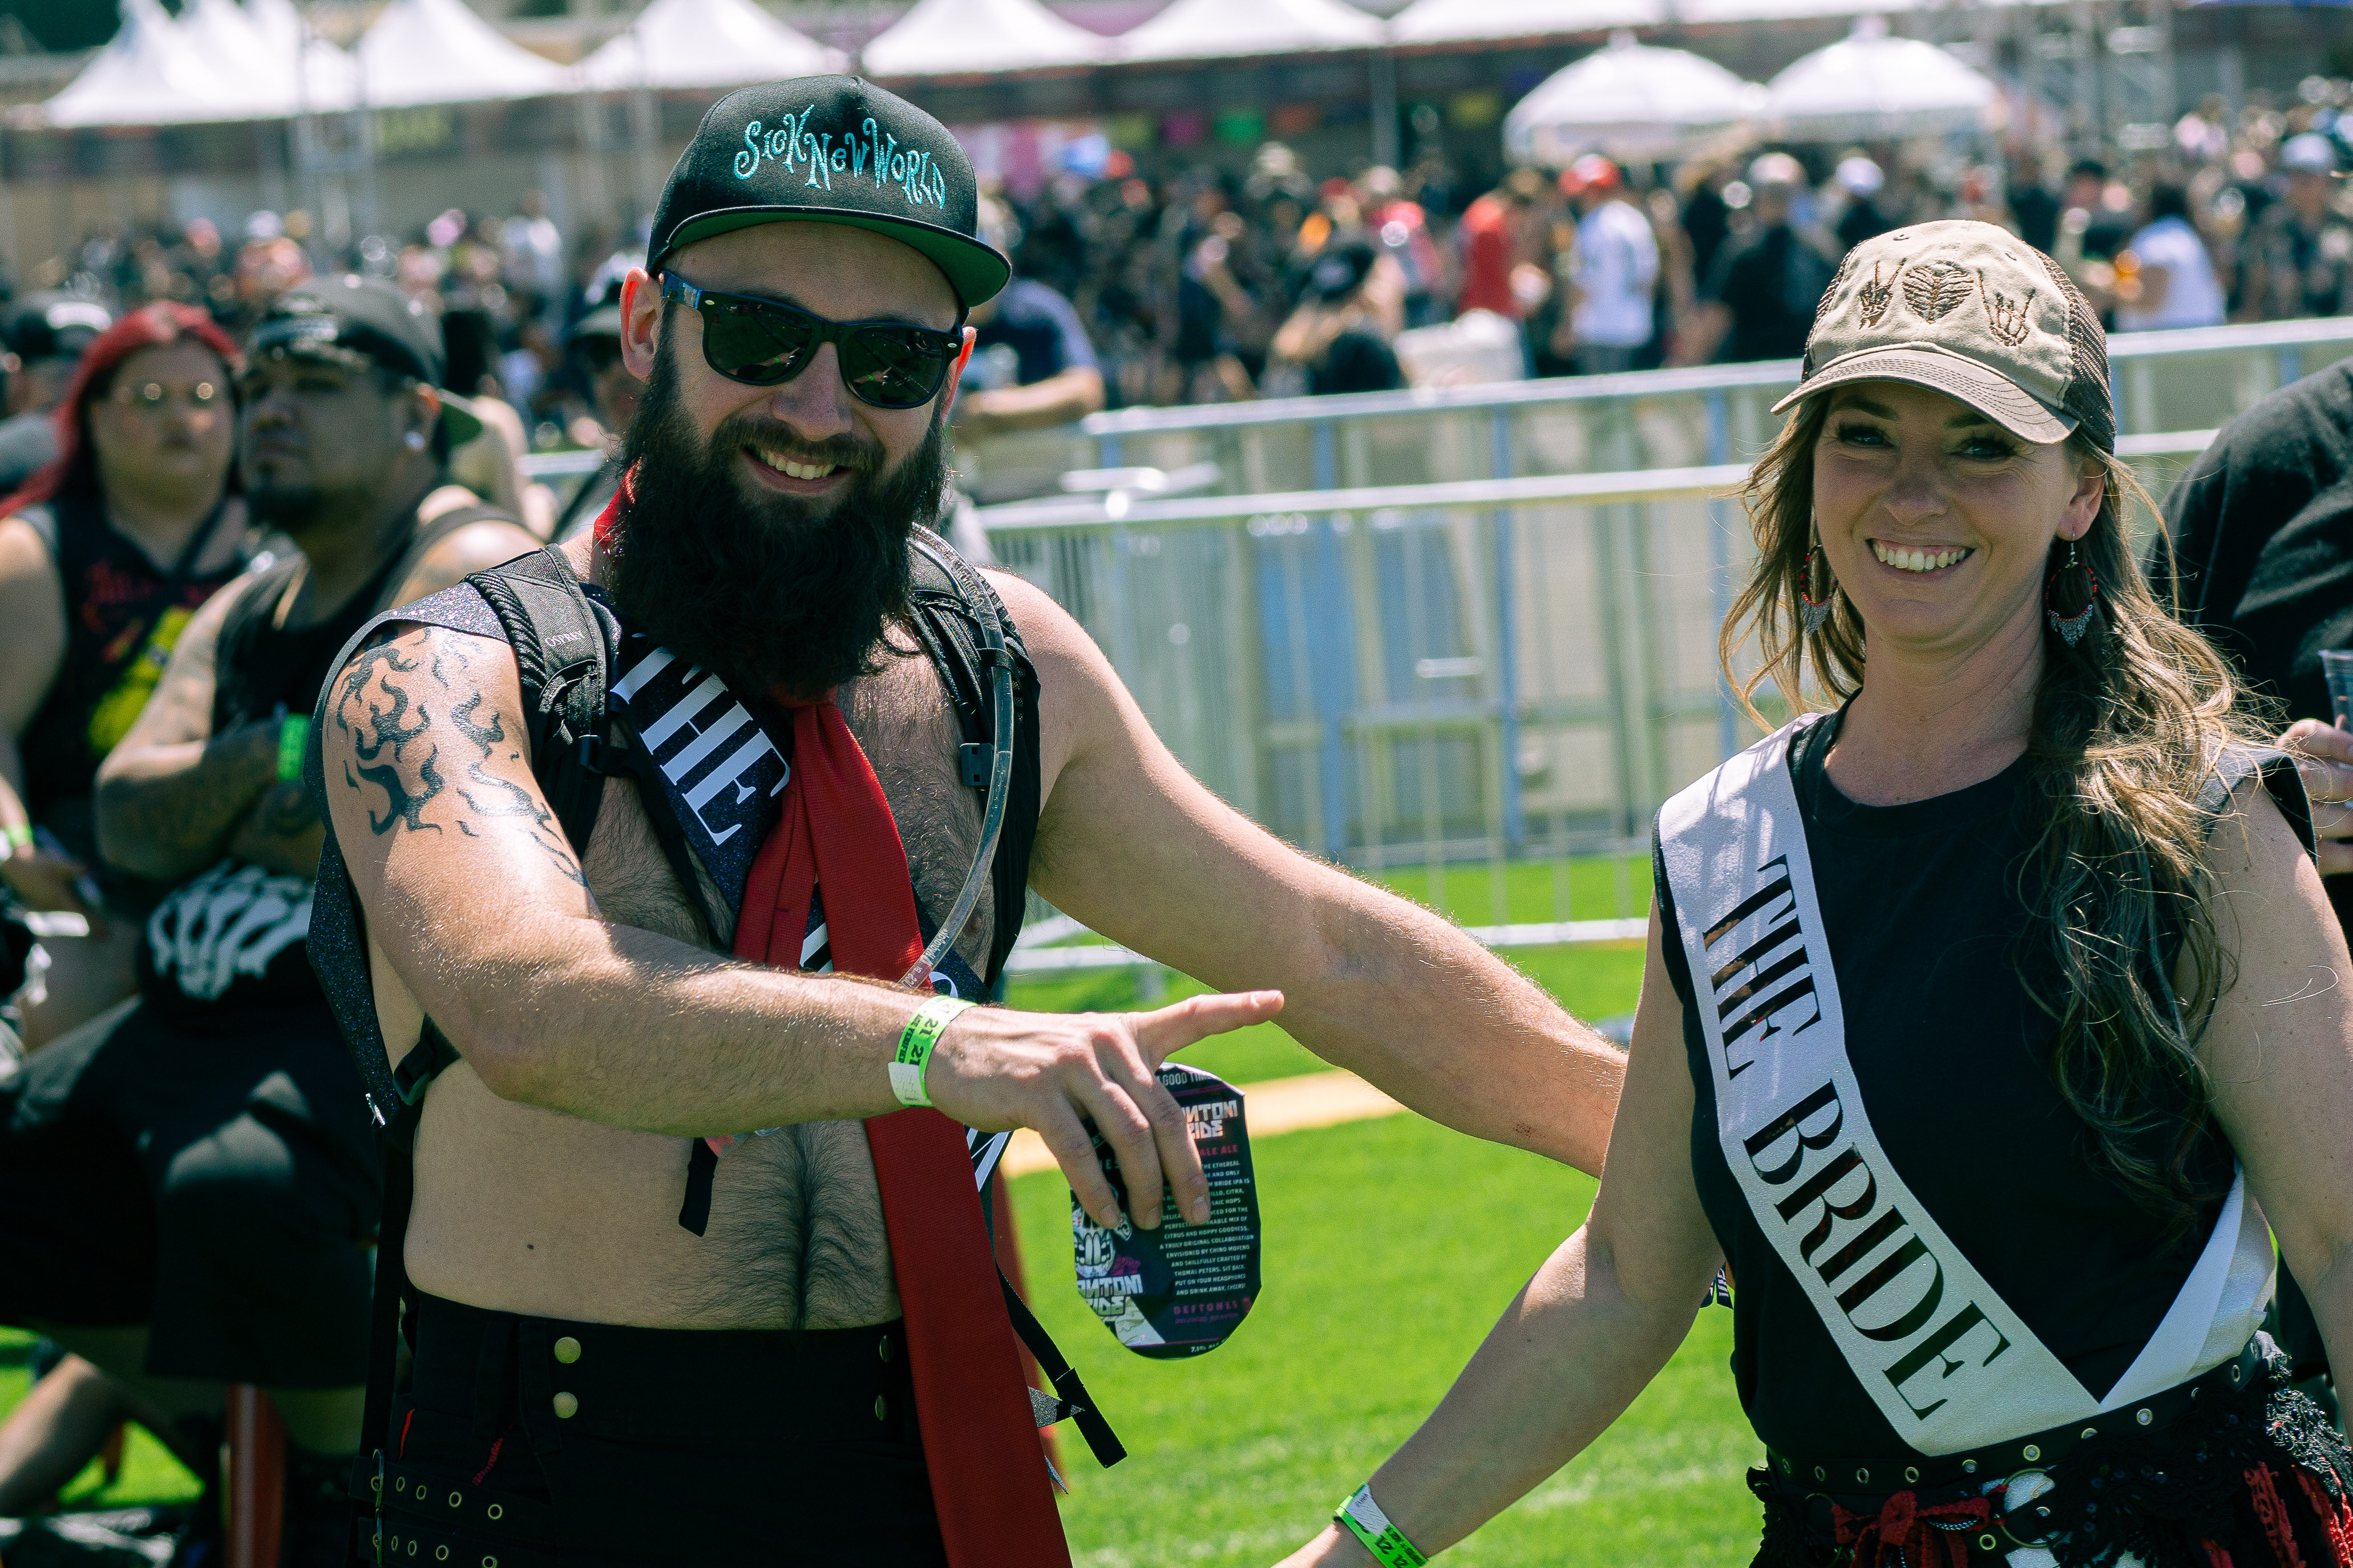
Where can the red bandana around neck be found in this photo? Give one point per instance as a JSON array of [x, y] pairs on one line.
[[987, 1468]]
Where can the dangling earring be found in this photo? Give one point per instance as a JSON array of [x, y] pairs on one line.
[[413, 440], [1811, 611], [2071, 629]]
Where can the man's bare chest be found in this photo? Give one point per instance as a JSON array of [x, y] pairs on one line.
[[795, 1233]]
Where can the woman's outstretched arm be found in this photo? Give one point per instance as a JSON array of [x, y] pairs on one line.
[[1583, 1336], [2279, 1052]]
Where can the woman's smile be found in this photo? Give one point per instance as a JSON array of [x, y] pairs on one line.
[[1919, 560]]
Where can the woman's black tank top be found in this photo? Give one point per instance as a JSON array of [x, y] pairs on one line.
[[124, 613], [1921, 911]]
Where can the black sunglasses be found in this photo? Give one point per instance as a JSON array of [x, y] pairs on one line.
[[765, 342]]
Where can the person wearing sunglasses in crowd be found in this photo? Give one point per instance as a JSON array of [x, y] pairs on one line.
[[639, 1337], [104, 555], [1994, 1023], [189, 1186]]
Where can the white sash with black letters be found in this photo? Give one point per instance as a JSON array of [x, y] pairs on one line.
[[1945, 1360]]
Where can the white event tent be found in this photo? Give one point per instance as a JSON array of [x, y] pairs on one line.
[[1633, 101], [1871, 85], [329, 76], [705, 43], [151, 73], [968, 37], [1450, 21], [440, 51], [1203, 29]]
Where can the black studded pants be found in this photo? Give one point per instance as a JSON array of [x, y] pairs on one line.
[[521, 1441]]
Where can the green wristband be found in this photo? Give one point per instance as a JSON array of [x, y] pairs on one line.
[[916, 1042], [293, 734], [1371, 1527], [18, 835]]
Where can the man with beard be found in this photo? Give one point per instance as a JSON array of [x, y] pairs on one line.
[[188, 1184], [630, 1348]]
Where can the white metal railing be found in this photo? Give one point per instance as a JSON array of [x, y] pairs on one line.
[[1480, 689]]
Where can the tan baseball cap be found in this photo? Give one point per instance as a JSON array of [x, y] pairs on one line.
[[1972, 311]]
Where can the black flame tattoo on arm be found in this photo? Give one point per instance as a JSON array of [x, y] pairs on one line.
[[413, 713]]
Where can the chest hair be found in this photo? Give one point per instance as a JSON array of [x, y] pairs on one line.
[[795, 1233]]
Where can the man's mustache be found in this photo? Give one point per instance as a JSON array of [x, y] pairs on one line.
[[773, 436]]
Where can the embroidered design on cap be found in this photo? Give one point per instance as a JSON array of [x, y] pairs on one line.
[[1830, 295], [1936, 289], [2005, 315], [1875, 297], [875, 154]]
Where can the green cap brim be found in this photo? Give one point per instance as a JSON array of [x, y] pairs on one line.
[[973, 269], [459, 419]]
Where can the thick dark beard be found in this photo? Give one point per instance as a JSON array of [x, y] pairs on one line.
[[292, 510], [765, 588]]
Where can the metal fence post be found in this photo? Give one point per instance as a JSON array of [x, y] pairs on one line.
[[1507, 643], [2291, 365], [1333, 655], [1719, 570]]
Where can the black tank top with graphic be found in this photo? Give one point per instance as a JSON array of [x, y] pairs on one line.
[[236, 935], [1922, 910], [123, 615]]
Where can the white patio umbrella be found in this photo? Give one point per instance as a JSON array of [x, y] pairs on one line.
[[1871, 85], [438, 51], [970, 37], [705, 43], [1447, 21], [150, 73], [1203, 29], [1629, 101]]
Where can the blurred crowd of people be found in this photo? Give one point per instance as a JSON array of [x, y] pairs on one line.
[[1208, 286]]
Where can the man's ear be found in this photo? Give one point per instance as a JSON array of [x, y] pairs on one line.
[[425, 407], [955, 371], [641, 316]]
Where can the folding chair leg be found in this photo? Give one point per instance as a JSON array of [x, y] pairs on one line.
[[109, 1454], [253, 1468]]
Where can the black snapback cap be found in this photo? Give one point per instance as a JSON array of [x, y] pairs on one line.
[[367, 316], [831, 149]]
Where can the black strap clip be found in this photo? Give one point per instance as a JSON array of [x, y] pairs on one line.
[[977, 760]]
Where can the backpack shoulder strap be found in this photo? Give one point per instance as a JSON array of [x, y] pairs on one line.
[[954, 613], [563, 658]]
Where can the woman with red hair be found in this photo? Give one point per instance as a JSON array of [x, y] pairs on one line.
[[104, 555]]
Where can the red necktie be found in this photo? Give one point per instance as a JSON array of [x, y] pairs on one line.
[[980, 1440]]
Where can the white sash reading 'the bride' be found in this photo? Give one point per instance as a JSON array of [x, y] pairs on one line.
[[1945, 1360]]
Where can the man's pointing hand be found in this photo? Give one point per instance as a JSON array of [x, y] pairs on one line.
[[995, 1069]]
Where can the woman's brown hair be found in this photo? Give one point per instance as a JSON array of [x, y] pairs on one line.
[[2126, 727]]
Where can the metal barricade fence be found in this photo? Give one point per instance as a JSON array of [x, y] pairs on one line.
[[1478, 691], [1464, 639]]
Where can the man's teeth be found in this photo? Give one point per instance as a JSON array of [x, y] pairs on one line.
[[1917, 560], [785, 466]]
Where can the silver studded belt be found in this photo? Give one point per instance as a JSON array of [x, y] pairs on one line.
[[1851, 1481]]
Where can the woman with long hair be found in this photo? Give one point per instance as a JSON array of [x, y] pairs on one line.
[[1994, 1020], [104, 556]]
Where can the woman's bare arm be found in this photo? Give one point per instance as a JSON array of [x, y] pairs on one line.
[[1582, 1337], [2279, 1049]]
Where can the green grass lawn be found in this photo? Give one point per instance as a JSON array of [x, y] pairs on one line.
[[150, 1474], [1390, 1247]]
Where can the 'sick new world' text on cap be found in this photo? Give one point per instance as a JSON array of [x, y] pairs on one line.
[[831, 149]]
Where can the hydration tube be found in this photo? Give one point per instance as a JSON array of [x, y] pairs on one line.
[[1000, 658]]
